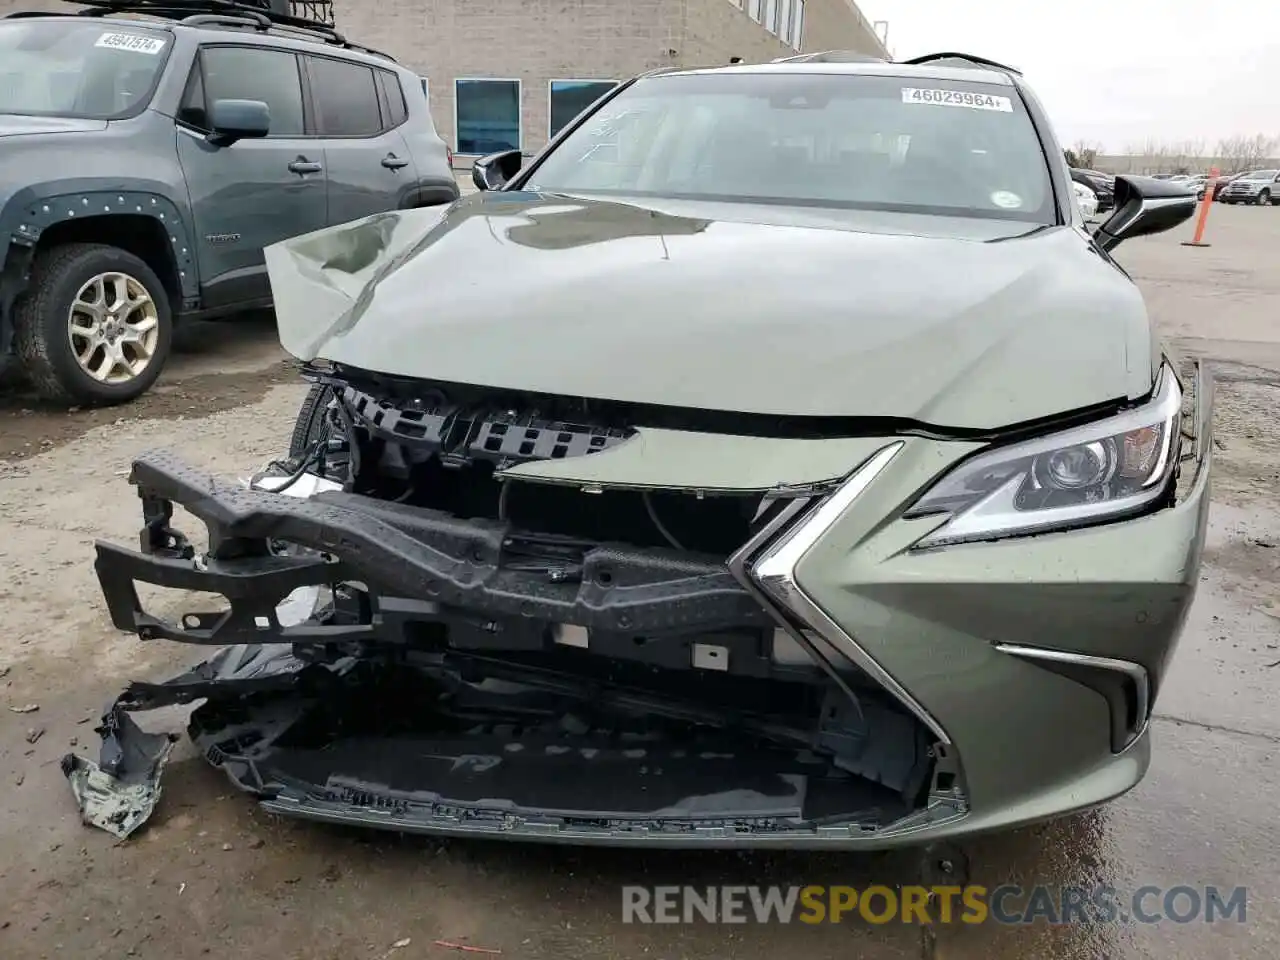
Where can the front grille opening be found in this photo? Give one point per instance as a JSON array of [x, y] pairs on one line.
[[710, 524]]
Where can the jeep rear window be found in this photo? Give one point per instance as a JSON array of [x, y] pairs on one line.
[[70, 68], [909, 144]]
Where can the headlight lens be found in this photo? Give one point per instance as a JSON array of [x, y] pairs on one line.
[[1083, 475]]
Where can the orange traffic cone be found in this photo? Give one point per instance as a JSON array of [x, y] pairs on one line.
[[1209, 186]]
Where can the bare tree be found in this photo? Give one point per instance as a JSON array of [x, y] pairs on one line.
[[1153, 156], [1086, 153], [1260, 148], [1191, 156], [1243, 152], [1231, 151]]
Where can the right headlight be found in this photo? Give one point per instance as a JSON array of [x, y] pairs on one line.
[[1084, 475]]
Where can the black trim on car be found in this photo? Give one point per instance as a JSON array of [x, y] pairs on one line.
[[428, 195], [704, 420]]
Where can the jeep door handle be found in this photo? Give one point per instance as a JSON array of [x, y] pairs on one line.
[[392, 162], [303, 165]]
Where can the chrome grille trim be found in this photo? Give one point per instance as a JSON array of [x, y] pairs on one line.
[[739, 566], [773, 573]]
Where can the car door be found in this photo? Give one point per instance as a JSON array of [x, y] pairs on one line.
[[254, 192], [367, 163]]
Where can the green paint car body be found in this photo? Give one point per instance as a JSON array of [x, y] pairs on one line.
[[775, 460]]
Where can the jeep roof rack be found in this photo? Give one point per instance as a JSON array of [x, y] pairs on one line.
[[963, 58], [305, 19], [830, 56]]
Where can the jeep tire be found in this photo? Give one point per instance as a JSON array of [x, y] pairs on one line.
[[123, 331]]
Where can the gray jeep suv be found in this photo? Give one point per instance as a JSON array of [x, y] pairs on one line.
[[151, 152]]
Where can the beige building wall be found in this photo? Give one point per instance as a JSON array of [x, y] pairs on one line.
[[46, 6], [838, 25], [533, 41], [716, 30]]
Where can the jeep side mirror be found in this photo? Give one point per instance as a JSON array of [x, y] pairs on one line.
[[493, 172], [1145, 205], [232, 120]]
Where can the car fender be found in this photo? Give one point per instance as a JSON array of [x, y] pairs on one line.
[[32, 210]]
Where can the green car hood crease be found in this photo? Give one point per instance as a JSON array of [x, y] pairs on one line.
[[959, 323]]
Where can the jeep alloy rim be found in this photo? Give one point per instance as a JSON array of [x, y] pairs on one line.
[[114, 327]]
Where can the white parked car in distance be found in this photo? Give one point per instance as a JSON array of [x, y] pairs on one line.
[[1087, 199]]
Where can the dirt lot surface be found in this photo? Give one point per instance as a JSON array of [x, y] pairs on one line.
[[213, 876]]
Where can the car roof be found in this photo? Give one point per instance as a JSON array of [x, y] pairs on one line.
[[871, 68]]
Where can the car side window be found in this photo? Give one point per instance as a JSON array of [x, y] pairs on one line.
[[250, 73], [393, 97], [344, 98]]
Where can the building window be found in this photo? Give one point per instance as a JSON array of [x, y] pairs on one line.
[[487, 115], [755, 8], [426, 88], [784, 21], [771, 15], [570, 97], [797, 24]]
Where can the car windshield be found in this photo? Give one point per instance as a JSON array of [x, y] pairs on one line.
[[73, 68], [1261, 174], [915, 145]]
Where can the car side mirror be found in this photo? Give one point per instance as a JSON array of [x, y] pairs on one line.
[[494, 171], [232, 120], [1144, 206]]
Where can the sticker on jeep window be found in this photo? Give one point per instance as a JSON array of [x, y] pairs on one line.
[[957, 98], [131, 41]]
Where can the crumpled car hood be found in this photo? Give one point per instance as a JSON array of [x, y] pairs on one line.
[[949, 322]]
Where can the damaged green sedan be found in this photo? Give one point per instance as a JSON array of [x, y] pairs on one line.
[[775, 460]]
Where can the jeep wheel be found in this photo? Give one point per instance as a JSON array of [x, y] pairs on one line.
[[95, 326]]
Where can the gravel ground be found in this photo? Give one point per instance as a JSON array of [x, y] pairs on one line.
[[213, 876]]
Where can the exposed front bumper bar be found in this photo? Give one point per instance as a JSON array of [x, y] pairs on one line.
[[398, 552]]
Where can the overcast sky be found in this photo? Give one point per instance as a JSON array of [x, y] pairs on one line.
[[1117, 71]]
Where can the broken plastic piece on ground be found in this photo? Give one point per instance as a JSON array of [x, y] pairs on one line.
[[119, 793]]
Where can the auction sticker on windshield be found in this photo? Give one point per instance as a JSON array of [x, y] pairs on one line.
[[131, 41], [957, 98]]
